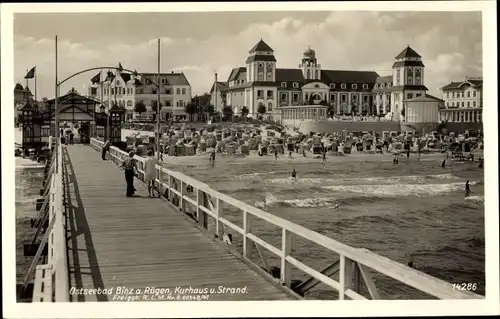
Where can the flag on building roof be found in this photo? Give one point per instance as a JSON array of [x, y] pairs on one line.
[[30, 74], [110, 76], [120, 67], [96, 78]]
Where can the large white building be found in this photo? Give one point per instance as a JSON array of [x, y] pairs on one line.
[[128, 90], [260, 82], [463, 101]]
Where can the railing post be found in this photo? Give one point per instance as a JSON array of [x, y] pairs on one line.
[[286, 249], [218, 214], [199, 202], [247, 228], [346, 275], [181, 203], [160, 181], [170, 199]]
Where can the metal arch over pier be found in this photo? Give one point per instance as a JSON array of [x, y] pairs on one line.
[[97, 239]]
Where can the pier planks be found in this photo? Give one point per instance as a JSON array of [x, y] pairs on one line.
[[115, 241]]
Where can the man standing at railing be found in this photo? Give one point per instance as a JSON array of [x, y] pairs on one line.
[[150, 172], [130, 166], [105, 148]]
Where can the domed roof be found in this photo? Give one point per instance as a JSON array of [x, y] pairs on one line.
[[310, 53]]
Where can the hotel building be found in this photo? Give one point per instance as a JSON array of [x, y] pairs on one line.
[[127, 91], [463, 101]]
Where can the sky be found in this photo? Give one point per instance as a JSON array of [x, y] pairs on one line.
[[202, 43]]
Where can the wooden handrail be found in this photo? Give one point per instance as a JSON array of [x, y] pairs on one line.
[[55, 235], [352, 257]]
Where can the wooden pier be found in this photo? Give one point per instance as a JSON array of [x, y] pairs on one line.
[[181, 246]]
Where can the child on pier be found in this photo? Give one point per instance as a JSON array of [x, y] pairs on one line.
[[130, 167]]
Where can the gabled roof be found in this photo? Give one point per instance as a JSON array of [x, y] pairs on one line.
[[126, 77], [261, 46], [18, 87], [407, 53], [458, 85], [221, 86], [340, 76], [235, 72]]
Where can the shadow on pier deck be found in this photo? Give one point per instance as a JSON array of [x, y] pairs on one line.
[[139, 242]]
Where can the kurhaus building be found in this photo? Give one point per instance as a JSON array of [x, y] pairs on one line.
[[260, 82]]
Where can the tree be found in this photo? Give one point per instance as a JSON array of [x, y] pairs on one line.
[[261, 109], [227, 112], [191, 109], [244, 111], [140, 107], [403, 111]]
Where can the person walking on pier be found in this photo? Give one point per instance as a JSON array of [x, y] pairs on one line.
[[71, 136], [150, 172], [105, 148], [130, 167]]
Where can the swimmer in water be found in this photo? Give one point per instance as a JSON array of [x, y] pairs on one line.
[[324, 156], [443, 163], [294, 175], [276, 155], [467, 189]]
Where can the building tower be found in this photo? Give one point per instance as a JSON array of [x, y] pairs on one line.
[[408, 80], [310, 67], [261, 64]]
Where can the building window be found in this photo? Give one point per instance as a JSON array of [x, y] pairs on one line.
[[112, 91], [269, 94], [463, 104], [375, 86], [463, 94], [418, 94], [183, 91], [417, 80], [261, 76], [308, 74], [295, 85], [409, 96], [117, 82], [410, 80], [453, 104], [269, 76], [181, 103], [382, 85], [163, 81], [177, 104], [354, 86], [474, 94], [295, 97], [468, 93], [343, 86], [260, 94], [365, 98], [332, 85], [269, 107], [448, 94], [474, 103], [283, 84], [283, 96], [365, 86], [153, 91], [178, 91], [468, 103], [343, 98]]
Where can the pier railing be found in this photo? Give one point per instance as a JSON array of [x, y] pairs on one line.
[[51, 281], [354, 266]]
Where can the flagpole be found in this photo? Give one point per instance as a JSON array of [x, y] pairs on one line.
[[158, 107], [35, 83], [56, 112], [114, 80], [26, 78], [108, 108], [102, 103]]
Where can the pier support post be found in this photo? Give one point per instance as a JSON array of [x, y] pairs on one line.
[[286, 249]]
